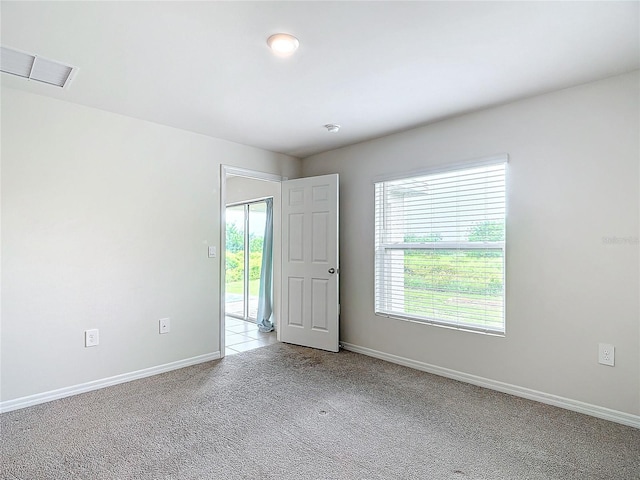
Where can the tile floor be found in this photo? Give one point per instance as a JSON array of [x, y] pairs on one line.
[[241, 336]]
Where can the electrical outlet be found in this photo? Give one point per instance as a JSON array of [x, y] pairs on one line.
[[606, 354], [212, 252], [165, 325], [91, 337]]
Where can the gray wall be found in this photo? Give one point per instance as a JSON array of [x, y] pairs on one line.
[[105, 224], [572, 183]]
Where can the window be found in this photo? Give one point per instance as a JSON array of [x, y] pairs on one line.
[[439, 247]]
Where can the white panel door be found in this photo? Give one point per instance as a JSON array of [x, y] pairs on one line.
[[310, 262]]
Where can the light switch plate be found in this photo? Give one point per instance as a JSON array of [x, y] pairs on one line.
[[212, 252]]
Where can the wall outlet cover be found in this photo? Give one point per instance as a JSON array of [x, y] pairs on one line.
[[606, 354], [91, 337], [165, 325]]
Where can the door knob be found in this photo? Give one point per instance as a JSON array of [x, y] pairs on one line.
[[332, 271]]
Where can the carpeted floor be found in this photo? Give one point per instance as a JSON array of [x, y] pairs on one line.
[[285, 412]]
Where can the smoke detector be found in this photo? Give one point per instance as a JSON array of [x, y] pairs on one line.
[[332, 127]]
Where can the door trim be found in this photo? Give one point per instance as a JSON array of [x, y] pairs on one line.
[[226, 170]]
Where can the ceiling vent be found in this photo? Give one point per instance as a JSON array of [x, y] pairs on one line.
[[35, 68]]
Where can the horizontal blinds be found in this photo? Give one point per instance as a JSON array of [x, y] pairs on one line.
[[439, 243]]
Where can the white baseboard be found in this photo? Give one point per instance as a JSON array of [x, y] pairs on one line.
[[38, 398], [567, 403]]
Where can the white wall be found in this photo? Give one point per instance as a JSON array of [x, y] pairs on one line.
[[245, 189], [573, 180], [105, 224]]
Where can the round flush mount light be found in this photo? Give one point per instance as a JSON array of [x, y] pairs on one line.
[[283, 44], [332, 127]]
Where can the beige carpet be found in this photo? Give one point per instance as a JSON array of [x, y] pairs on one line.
[[284, 412]]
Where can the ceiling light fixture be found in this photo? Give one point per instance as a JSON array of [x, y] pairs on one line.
[[332, 127], [283, 44]]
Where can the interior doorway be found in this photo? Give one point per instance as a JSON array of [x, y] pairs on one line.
[[244, 197], [305, 296]]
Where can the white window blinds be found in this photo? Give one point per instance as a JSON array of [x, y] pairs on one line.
[[439, 243]]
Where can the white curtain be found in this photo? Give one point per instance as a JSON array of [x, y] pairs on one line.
[[266, 274]]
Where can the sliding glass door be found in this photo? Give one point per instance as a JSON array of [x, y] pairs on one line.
[[244, 238]]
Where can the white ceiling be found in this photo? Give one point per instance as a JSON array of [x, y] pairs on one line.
[[373, 67]]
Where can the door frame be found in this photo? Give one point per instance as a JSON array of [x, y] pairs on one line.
[[228, 170]]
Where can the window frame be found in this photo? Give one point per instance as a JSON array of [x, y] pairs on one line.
[[381, 278]]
